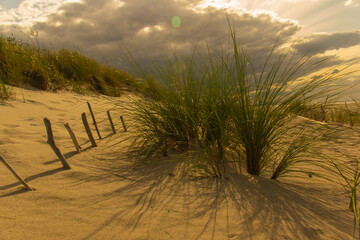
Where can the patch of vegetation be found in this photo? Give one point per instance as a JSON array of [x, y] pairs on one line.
[[227, 115], [4, 91], [346, 174], [46, 69], [347, 113], [230, 113]]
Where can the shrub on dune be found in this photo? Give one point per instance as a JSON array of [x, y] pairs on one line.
[[223, 106], [267, 101]]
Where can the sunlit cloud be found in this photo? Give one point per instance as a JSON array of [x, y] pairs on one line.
[[322, 42], [30, 12], [355, 3], [92, 25], [151, 29], [248, 4], [300, 1]]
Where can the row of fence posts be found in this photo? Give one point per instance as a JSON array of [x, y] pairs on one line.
[[51, 141]]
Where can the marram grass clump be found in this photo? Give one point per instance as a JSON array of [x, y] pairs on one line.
[[47, 69], [5, 92], [346, 113], [229, 112]]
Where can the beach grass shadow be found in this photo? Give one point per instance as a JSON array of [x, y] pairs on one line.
[[254, 201]]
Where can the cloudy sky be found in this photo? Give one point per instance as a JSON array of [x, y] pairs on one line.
[[150, 29]]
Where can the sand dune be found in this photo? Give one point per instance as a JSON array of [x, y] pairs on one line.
[[104, 197]]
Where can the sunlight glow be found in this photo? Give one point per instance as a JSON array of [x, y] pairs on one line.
[[147, 30], [246, 7], [118, 3], [220, 4], [158, 27], [30, 11], [352, 3], [58, 24]]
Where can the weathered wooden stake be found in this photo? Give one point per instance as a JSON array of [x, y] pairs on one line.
[[123, 123], [51, 142], [88, 131], [73, 138], [111, 122], [15, 174], [94, 121]]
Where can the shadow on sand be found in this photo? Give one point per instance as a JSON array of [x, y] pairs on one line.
[[240, 207], [43, 174], [29, 179], [158, 200]]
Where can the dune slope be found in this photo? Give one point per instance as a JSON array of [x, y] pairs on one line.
[[104, 197]]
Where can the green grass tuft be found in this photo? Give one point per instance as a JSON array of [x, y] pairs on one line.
[[46, 69], [228, 112]]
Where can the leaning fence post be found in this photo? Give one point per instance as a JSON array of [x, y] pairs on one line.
[[111, 122], [15, 174], [88, 131], [73, 138], [51, 142], [123, 123], [94, 121]]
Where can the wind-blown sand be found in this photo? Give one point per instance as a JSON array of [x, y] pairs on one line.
[[104, 197]]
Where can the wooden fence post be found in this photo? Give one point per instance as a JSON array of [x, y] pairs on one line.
[[94, 121], [73, 138], [51, 142], [123, 123], [88, 131], [15, 174], [111, 122]]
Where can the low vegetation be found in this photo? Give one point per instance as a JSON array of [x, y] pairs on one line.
[[348, 176], [230, 113], [46, 69], [341, 113]]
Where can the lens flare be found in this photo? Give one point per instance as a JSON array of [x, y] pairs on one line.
[[175, 21]]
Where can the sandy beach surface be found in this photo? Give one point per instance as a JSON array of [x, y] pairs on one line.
[[104, 197]]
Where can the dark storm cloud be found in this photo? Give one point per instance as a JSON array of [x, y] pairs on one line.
[[319, 43], [102, 29]]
